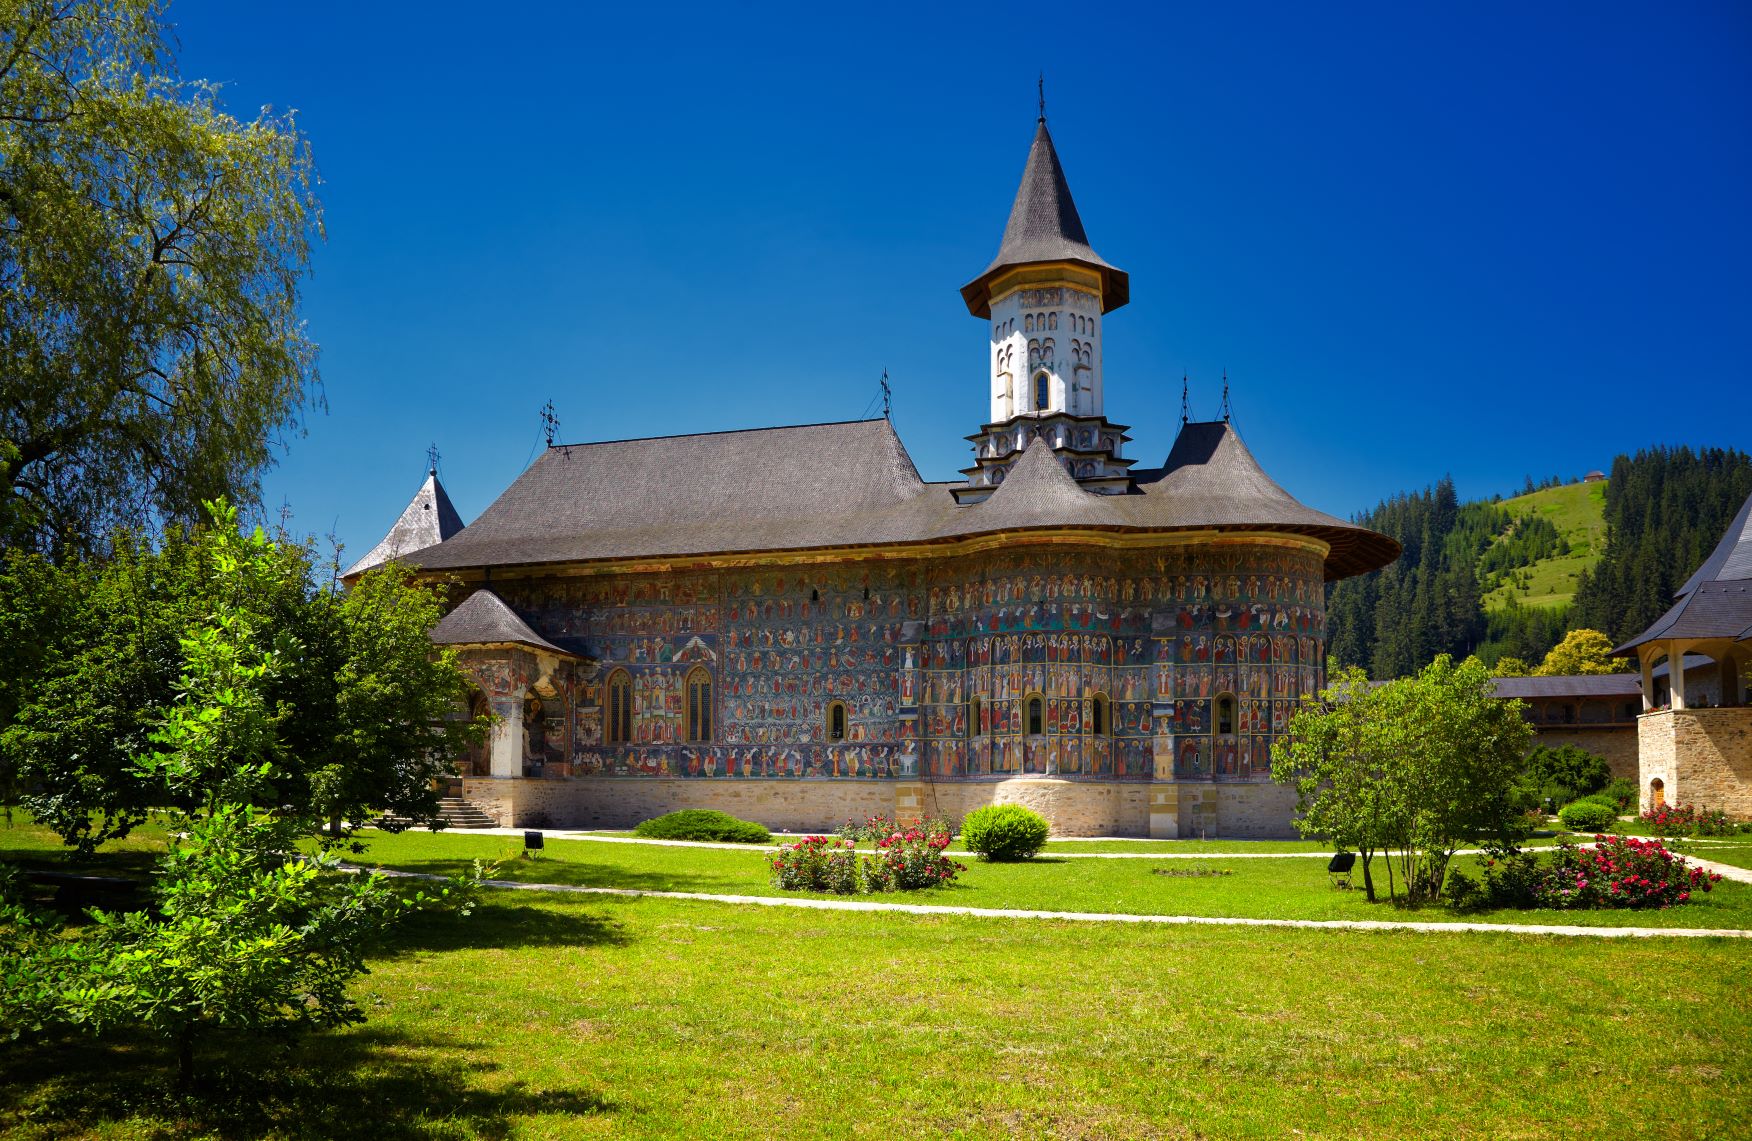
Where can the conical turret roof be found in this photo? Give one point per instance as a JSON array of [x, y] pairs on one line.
[[484, 619], [430, 518], [1044, 227], [1716, 601]]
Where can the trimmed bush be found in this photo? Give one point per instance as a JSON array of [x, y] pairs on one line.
[[1004, 832], [1589, 816], [702, 824]]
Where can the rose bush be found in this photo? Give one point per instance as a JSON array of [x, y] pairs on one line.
[[1616, 872], [907, 861], [903, 861]]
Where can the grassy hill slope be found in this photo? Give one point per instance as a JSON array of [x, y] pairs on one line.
[[1578, 511]]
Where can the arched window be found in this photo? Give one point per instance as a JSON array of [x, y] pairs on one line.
[[1226, 714], [1657, 793], [620, 707], [699, 705], [1036, 715], [974, 705], [1041, 399], [836, 721], [1098, 722]]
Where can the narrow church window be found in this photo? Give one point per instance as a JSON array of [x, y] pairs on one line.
[[1036, 716], [620, 708], [836, 721], [1226, 714], [1098, 716], [699, 705], [1040, 392], [973, 708]]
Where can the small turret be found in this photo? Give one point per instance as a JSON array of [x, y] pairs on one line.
[[430, 519]]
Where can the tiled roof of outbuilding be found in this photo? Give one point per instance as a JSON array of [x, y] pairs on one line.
[[1716, 601], [1572, 685], [852, 484], [484, 619]]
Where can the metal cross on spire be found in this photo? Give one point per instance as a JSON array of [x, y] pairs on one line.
[[1040, 86], [887, 395], [1185, 401], [550, 422], [1225, 396], [432, 459]]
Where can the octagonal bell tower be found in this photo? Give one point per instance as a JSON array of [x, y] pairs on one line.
[[1044, 296]]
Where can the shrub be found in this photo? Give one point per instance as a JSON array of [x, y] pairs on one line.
[[1564, 774], [1588, 816], [1617, 872], [907, 861], [816, 863], [702, 824], [876, 828], [903, 861], [1689, 820], [1620, 792], [1004, 832]]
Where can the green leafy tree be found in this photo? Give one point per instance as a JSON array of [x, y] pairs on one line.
[[367, 713], [151, 252], [1510, 666], [1581, 652], [1413, 768], [1339, 754], [247, 934]]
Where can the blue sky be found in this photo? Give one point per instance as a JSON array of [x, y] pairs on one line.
[[1500, 240]]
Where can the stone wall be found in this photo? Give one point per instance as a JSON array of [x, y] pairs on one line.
[[1618, 744], [1703, 757]]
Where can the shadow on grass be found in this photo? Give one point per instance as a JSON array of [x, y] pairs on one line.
[[577, 874], [501, 921], [369, 1082]]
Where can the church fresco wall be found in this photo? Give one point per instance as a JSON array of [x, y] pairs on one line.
[[1160, 636]]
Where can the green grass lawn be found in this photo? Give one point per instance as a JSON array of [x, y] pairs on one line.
[[547, 1015]]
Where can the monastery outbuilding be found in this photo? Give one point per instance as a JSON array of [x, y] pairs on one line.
[[1695, 736], [791, 625]]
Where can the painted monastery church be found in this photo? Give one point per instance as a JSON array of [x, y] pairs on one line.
[[791, 625]]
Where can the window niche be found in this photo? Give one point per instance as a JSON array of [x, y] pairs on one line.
[[699, 705], [620, 707]]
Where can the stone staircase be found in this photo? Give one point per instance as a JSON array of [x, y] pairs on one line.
[[459, 813]]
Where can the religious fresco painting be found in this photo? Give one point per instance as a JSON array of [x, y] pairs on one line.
[[915, 651]]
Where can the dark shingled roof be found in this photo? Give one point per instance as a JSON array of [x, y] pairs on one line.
[[1575, 685], [852, 484], [483, 619], [1716, 601], [429, 519], [1044, 227]]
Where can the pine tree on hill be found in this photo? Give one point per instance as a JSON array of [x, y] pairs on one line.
[[1666, 509]]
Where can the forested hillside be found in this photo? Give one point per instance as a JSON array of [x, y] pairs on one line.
[[1666, 510], [1496, 577]]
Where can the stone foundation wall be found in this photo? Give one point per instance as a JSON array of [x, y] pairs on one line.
[[1702, 757], [1075, 808], [1618, 745]]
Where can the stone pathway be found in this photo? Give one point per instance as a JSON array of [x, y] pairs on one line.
[[1104, 917]]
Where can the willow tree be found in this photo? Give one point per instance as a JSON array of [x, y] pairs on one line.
[[151, 252]]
